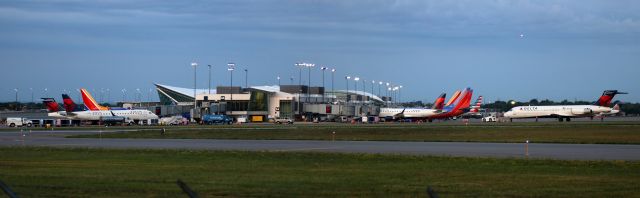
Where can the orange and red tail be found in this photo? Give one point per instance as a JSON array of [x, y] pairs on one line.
[[453, 98], [607, 96], [91, 103]]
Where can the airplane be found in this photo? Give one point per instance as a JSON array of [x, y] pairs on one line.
[[474, 112], [437, 111], [454, 110], [91, 104], [72, 112], [413, 113], [566, 112]]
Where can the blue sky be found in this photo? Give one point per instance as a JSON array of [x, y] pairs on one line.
[[570, 49]]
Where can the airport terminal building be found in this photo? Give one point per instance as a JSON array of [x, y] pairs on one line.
[[261, 103]]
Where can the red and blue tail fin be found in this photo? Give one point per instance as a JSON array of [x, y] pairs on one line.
[[69, 105], [607, 96], [51, 104], [475, 108], [439, 103]]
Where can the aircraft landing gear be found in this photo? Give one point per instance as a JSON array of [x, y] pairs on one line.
[[536, 119], [560, 119], [568, 119]]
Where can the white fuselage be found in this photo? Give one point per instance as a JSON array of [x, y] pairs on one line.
[[96, 115], [408, 113], [557, 111]]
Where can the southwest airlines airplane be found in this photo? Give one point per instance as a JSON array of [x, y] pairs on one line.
[[91, 103], [440, 110], [599, 108]]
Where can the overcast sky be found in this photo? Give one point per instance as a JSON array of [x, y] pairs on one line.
[[503, 49]]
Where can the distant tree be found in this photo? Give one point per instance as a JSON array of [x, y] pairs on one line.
[[534, 102]]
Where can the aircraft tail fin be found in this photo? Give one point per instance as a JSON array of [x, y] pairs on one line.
[[439, 103], [607, 96], [89, 102], [69, 105], [475, 108], [453, 98], [51, 104]]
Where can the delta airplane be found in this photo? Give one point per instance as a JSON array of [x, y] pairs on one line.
[[72, 112], [415, 113], [599, 108]]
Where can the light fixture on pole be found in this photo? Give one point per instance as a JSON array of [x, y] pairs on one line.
[[195, 100], [246, 78], [230, 68], [31, 89], [278, 80], [209, 78], [323, 68], [124, 95], [16, 90], [333, 71], [356, 86], [373, 83], [299, 65], [379, 85], [347, 79]]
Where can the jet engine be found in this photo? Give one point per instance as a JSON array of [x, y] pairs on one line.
[[581, 111]]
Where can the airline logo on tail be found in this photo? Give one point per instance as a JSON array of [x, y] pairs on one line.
[[69, 105], [439, 103], [462, 103], [52, 105], [91, 103], [607, 96], [475, 108], [453, 98]]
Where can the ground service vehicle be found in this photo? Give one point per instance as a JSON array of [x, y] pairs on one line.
[[18, 122], [490, 118], [217, 119], [283, 120]]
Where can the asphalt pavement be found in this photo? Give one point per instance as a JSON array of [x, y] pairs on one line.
[[466, 149]]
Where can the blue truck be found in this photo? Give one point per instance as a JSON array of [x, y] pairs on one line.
[[217, 119]]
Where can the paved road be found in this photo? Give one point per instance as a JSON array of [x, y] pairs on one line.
[[551, 151]]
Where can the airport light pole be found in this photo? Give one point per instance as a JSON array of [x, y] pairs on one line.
[[195, 100], [16, 89], [231, 67], [139, 97], [364, 89], [299, 65], [379, 85], [373, 84], [278, 80], [323, 68], [209, 78], [124, 95], [108, 95], [400, 94], [45, 92], [246, 78], [333, 71], [356, 86], [291, 80], [31, 89], [347, 79]]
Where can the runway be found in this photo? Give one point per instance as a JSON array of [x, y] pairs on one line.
[[465, 149]]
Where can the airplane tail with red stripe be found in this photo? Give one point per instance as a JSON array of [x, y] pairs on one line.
[[439, 103], [475, 108], [51, 104], [69, 105], [89, 102], [607, 96]]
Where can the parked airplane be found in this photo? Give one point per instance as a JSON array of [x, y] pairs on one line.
[[414, 113], [456, 109], [474, 112], [562, 112], [73, 113]]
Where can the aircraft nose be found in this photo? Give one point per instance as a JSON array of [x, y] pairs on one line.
[[508, 114]]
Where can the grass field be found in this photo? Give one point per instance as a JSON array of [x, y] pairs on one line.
[[580, 133], [54, 172]]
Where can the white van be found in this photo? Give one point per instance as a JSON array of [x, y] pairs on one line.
[[18, 122]]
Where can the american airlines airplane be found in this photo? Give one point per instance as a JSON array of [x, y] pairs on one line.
[[71, 112], [562, 112]]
